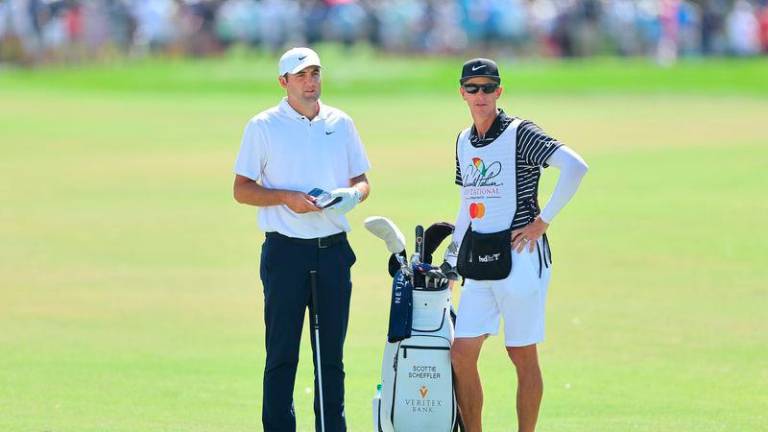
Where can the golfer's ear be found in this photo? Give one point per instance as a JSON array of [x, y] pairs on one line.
[[283, 80]]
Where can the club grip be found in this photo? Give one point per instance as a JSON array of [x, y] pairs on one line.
[[420, 242], [313, 294]]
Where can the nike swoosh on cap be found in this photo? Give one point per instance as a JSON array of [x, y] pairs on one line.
[[329, 132], [302, 58], [474, 68]]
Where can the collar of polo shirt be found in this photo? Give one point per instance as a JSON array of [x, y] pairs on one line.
[[288, 110]]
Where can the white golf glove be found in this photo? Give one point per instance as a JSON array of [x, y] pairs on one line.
[[349, 199]]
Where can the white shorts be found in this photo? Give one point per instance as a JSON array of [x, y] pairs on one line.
[[520, 299]]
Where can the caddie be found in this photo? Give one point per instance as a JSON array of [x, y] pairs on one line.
[[499, 161]]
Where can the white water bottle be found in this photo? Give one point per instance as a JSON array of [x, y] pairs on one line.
[[376, 403]]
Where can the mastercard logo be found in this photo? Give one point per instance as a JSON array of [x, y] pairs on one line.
[[476, 210]]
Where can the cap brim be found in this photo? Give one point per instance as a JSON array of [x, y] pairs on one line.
[[464, 79], [303, 66]]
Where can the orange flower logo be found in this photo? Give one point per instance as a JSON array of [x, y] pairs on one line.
[[423, 391], [479, 165], [476, 210]]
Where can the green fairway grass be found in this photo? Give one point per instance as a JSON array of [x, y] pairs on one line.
[[129, 290]]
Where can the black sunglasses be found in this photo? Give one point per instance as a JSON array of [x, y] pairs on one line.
[[474, 88]]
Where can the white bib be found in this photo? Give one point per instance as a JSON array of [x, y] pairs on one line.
[[489, 180]]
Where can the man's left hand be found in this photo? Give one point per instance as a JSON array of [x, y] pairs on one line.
[[349, 198], [529, 234]]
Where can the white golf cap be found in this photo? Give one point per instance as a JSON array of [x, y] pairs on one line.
[[296, 59]]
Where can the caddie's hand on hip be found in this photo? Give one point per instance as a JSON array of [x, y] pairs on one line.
[[299, 202], [349, 198], [529, 234]]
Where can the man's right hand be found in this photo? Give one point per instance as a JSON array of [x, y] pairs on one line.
[[299, 202]]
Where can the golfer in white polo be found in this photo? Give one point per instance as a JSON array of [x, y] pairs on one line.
[[286, 152]]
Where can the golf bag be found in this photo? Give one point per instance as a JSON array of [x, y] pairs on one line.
[[416, 376], [417, 390]]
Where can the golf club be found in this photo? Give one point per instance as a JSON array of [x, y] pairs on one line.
[[386, 230], [316, 328], [418, 253], [433, 237], [417, 279], [448, 267]]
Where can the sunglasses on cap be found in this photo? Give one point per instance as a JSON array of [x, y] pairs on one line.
[[474, 88]]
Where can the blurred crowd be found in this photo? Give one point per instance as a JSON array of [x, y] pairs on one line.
[[33, 31]]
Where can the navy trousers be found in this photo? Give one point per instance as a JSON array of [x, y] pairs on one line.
[[285, 266]]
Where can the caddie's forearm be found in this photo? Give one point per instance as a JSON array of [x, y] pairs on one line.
[[572, 168], [461, 225], [252, 193]]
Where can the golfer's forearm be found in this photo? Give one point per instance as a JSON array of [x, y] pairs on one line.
[[257, 195], [572, 169], [361, 184]]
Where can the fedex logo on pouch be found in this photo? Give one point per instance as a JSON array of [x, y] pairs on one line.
[[489, 258]]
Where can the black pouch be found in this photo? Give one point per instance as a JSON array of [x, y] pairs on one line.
[[485, 256]]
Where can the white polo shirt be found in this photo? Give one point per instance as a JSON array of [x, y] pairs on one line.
[[282, 149]]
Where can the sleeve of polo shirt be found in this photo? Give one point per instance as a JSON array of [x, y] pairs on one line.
[[252, 159], [534, 146], [358, 160]]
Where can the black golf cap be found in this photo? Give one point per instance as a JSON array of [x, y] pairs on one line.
[[480, 67]]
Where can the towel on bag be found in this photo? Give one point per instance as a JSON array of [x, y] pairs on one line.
[[400, 309]]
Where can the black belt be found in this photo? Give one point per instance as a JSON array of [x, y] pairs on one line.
[[320, 242]]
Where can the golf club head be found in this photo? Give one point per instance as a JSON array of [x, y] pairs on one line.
[[449, 271], [396, 264], [451, 254], [386, 230], [433, 236]]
